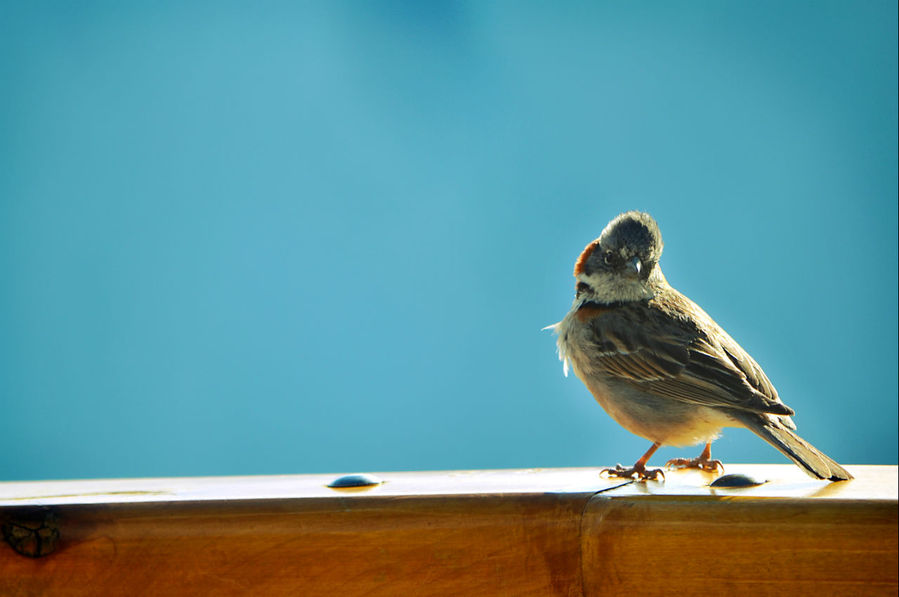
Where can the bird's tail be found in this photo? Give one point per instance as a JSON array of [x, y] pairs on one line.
[[808, 457]]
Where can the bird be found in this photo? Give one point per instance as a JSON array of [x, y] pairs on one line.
[[660, 366]]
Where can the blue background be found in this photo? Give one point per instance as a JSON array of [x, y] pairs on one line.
[[315, 237]]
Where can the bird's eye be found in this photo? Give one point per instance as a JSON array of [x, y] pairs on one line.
[[607, 258]]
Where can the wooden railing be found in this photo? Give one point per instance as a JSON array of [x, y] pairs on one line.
[[512, 532]]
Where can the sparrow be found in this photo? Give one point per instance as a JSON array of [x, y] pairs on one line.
[[659, 365]]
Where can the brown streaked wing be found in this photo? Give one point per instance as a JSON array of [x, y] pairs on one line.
[[675, 357]]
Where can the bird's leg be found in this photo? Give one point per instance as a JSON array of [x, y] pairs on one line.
[[703, 462], [639, 469]]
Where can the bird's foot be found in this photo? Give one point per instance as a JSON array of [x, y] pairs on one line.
[[640, 473], [704, 464]]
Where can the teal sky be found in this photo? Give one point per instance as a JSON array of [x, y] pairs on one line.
[[242, 238]]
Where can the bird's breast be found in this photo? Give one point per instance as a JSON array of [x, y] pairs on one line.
[[654, 417]]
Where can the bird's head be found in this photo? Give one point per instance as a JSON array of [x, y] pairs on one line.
[[623, 263]]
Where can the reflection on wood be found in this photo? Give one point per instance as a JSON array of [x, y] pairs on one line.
[[532, 532]]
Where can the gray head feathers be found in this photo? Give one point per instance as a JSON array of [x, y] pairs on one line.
[[636, 232], [631, 234]]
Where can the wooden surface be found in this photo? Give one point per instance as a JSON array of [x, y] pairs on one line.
[[530, 532]]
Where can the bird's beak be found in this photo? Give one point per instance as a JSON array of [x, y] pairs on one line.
[[633, 267]]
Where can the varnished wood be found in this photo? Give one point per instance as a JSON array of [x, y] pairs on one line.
[[533, 532], [380, 546], [659, 545]]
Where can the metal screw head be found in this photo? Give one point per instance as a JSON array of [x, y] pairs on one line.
[[357, 480], [736, 480]]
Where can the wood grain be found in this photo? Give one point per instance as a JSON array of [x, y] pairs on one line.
[[515, 545], [739, 546], [532, 532]]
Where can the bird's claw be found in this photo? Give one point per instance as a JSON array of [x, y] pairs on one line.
[[703, 464], [634, 472]]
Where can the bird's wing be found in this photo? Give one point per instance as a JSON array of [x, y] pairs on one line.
[[673, 349]]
